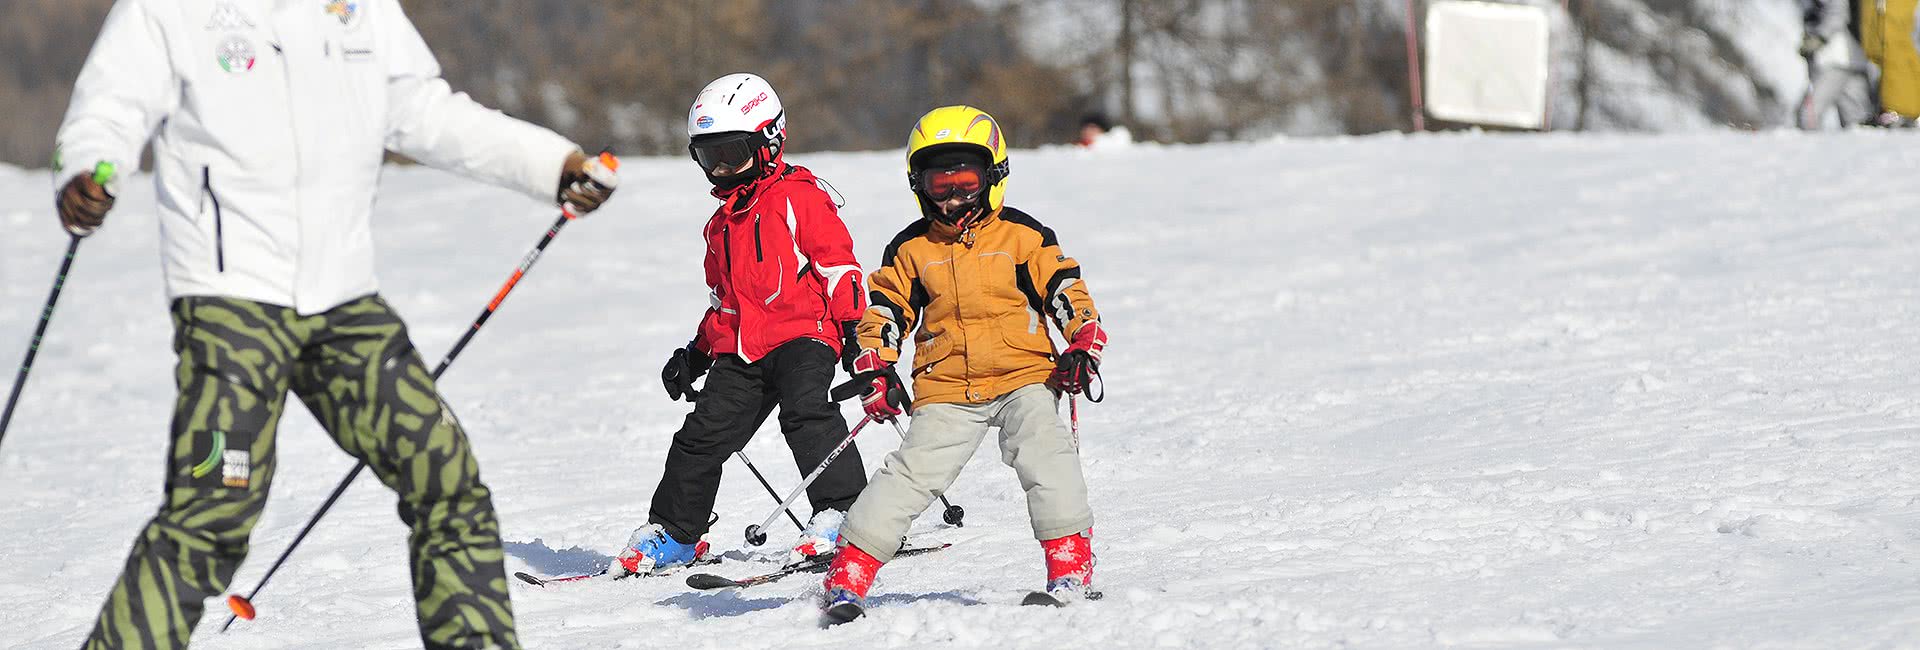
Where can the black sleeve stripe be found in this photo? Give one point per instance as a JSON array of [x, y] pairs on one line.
[[880, 300], [913, 230], [1060, 277], [1023, 277], [1047, 238], [918, 299]]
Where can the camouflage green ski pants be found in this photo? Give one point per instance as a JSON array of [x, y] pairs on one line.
[[356, 371]]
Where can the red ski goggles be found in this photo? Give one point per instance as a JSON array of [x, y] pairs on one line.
[[964, 181]]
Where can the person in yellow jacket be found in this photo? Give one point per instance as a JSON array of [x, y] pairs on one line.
[[1888, 33], [976, 283]]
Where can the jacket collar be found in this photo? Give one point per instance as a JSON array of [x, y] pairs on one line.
[[948, 233], [740, 198]]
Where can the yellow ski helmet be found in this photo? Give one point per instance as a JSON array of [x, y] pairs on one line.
[[958, 129]]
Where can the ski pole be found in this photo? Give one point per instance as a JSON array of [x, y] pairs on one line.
[[1073, 410], [769, 487], [102, 175], [954, 515], [242, 606], [756, 534], [33, 348]]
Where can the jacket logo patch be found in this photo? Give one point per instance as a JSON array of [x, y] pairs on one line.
[[235, 54], [235, 467], [227, 18], [343, 9]]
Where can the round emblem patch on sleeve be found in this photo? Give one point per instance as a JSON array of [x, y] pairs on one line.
[[235, 54]]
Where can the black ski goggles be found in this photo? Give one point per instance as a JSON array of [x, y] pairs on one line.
[[724, 150]]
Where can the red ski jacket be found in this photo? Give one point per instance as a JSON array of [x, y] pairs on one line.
[[781, 267]]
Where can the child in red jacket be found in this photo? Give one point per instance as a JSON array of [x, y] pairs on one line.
[[785, 294]]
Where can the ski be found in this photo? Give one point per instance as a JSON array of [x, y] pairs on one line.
[[538, 581], [1047, 599], [704, 581]]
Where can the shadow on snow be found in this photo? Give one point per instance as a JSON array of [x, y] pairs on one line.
[[728, 603], [544, 560]]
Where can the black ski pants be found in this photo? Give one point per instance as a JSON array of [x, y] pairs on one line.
[[736, 399]]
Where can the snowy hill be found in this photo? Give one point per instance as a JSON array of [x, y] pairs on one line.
[[1464, 391]]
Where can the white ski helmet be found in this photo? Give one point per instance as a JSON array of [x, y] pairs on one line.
[[736, 118]]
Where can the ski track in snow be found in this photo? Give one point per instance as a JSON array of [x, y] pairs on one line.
[[1459, 390]]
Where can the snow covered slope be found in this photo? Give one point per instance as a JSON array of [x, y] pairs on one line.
[[1467, 391]]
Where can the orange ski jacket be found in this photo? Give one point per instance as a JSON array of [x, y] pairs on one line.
[[980, 300]]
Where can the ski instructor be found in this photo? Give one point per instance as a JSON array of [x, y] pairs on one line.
[[269, 121]]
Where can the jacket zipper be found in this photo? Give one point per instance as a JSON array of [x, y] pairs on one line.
[[219, 225], [757, 257], [959, 322]]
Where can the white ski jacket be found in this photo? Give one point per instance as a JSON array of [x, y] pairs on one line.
[[273, 117]]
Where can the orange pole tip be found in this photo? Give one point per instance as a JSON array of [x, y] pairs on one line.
[[606, 158], [240, 607]]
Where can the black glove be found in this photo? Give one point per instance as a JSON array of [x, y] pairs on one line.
[[683, 368], [849, 344]]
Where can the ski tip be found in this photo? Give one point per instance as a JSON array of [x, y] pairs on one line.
[[841, 613], [705, 581], [524, 577], [1041, 598]]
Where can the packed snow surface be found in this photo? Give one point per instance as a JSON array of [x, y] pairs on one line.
[[1446, 391]]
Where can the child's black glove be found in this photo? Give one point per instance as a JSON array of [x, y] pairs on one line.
[[683, 368]]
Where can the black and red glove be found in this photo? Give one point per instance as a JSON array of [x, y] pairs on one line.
[[886, 397], [1078, 369]]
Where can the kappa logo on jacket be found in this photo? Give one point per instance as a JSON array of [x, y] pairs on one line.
[[227, 18]]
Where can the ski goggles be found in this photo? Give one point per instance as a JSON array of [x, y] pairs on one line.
[[964, 181], [724, 150]]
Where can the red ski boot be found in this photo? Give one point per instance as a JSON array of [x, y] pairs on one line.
[[847, 583], [1069, 571]]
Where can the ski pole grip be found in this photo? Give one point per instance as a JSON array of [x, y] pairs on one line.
[[104, 175], [855, 387]]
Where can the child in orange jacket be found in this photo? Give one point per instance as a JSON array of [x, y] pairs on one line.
[[979, 279]]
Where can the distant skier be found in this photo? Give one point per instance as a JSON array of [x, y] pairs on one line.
[[1097, 132], [785, 295], [1837, 68], [271, 127], [978, 279]]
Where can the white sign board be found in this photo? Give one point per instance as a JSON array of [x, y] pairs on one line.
[[1487, 63]]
